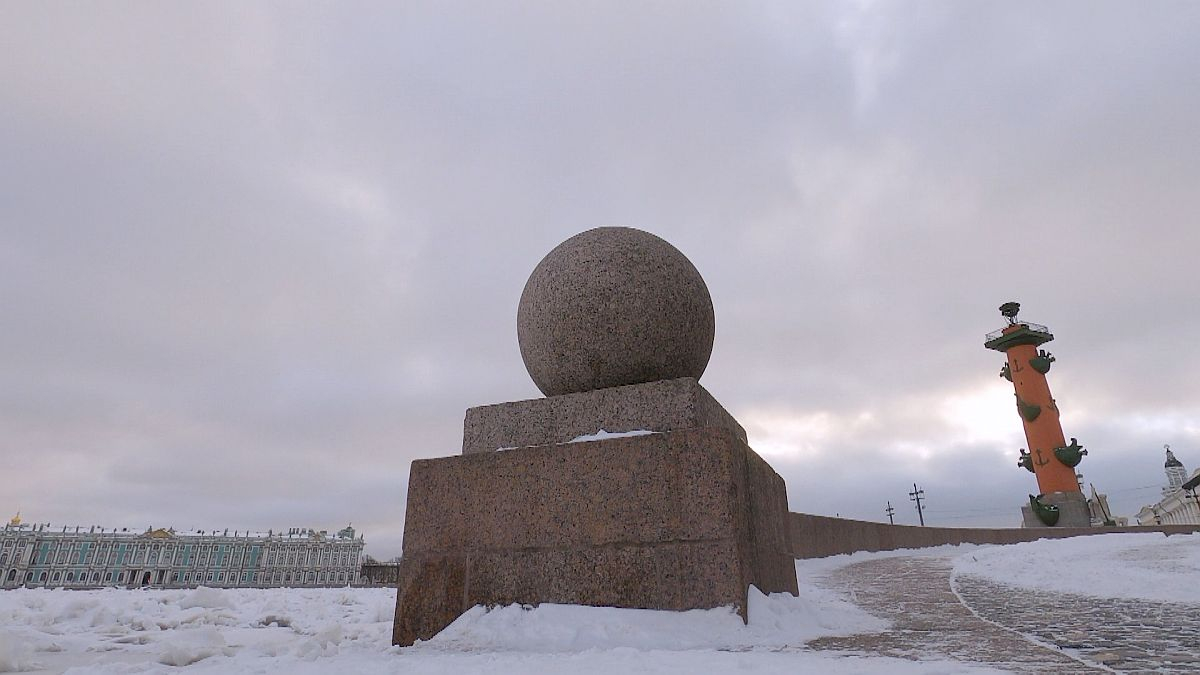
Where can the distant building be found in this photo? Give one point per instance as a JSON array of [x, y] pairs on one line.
[[1098, 509], [35, 556], [1180, 503], [375, 573], [1176, 474]]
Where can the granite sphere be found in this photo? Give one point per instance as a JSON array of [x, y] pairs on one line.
[[610, 307]]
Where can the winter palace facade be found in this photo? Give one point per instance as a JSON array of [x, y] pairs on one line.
[[36, 556]]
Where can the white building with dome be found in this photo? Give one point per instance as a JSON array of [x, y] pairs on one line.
[[74, 557], [1180, 503]]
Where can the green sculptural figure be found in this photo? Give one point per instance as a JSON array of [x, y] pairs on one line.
[[1072, 454], [1047, 513], [1029, 411], [1042, 361], [1026, 461]]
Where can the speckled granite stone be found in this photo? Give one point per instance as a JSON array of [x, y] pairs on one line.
[[667, 405], [613, 306], [679, 520]]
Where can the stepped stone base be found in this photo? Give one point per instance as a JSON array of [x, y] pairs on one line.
[[679, 520], [666, 405], [1072, 511]]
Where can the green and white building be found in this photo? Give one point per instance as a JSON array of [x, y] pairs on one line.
[[39, 556]]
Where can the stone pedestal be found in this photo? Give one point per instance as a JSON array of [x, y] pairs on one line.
[[1072, 510], [676, 520], [666, 405]]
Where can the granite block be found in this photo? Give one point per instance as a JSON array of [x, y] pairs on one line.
[[665, 405], [443, 580], [772, 562], [625, 575], [678, 520], [716, 571]]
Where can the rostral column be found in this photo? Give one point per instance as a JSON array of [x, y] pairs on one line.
[[1050, 458]]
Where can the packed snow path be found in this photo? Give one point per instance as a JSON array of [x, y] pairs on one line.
[[935, 612], [915, 594], [1126, 635]]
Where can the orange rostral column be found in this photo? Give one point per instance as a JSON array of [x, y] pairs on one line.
[[1049, 457]]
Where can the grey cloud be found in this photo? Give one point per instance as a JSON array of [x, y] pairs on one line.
[[254, 260]]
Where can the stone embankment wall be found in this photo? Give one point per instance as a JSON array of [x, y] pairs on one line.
[[820, 536]]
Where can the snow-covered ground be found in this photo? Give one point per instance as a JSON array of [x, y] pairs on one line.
[[348, 630], [1131, 566]]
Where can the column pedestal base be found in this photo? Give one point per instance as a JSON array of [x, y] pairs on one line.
[[1072, 510], [678, 520]]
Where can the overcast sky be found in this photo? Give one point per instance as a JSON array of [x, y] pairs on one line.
[[255, 259]]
